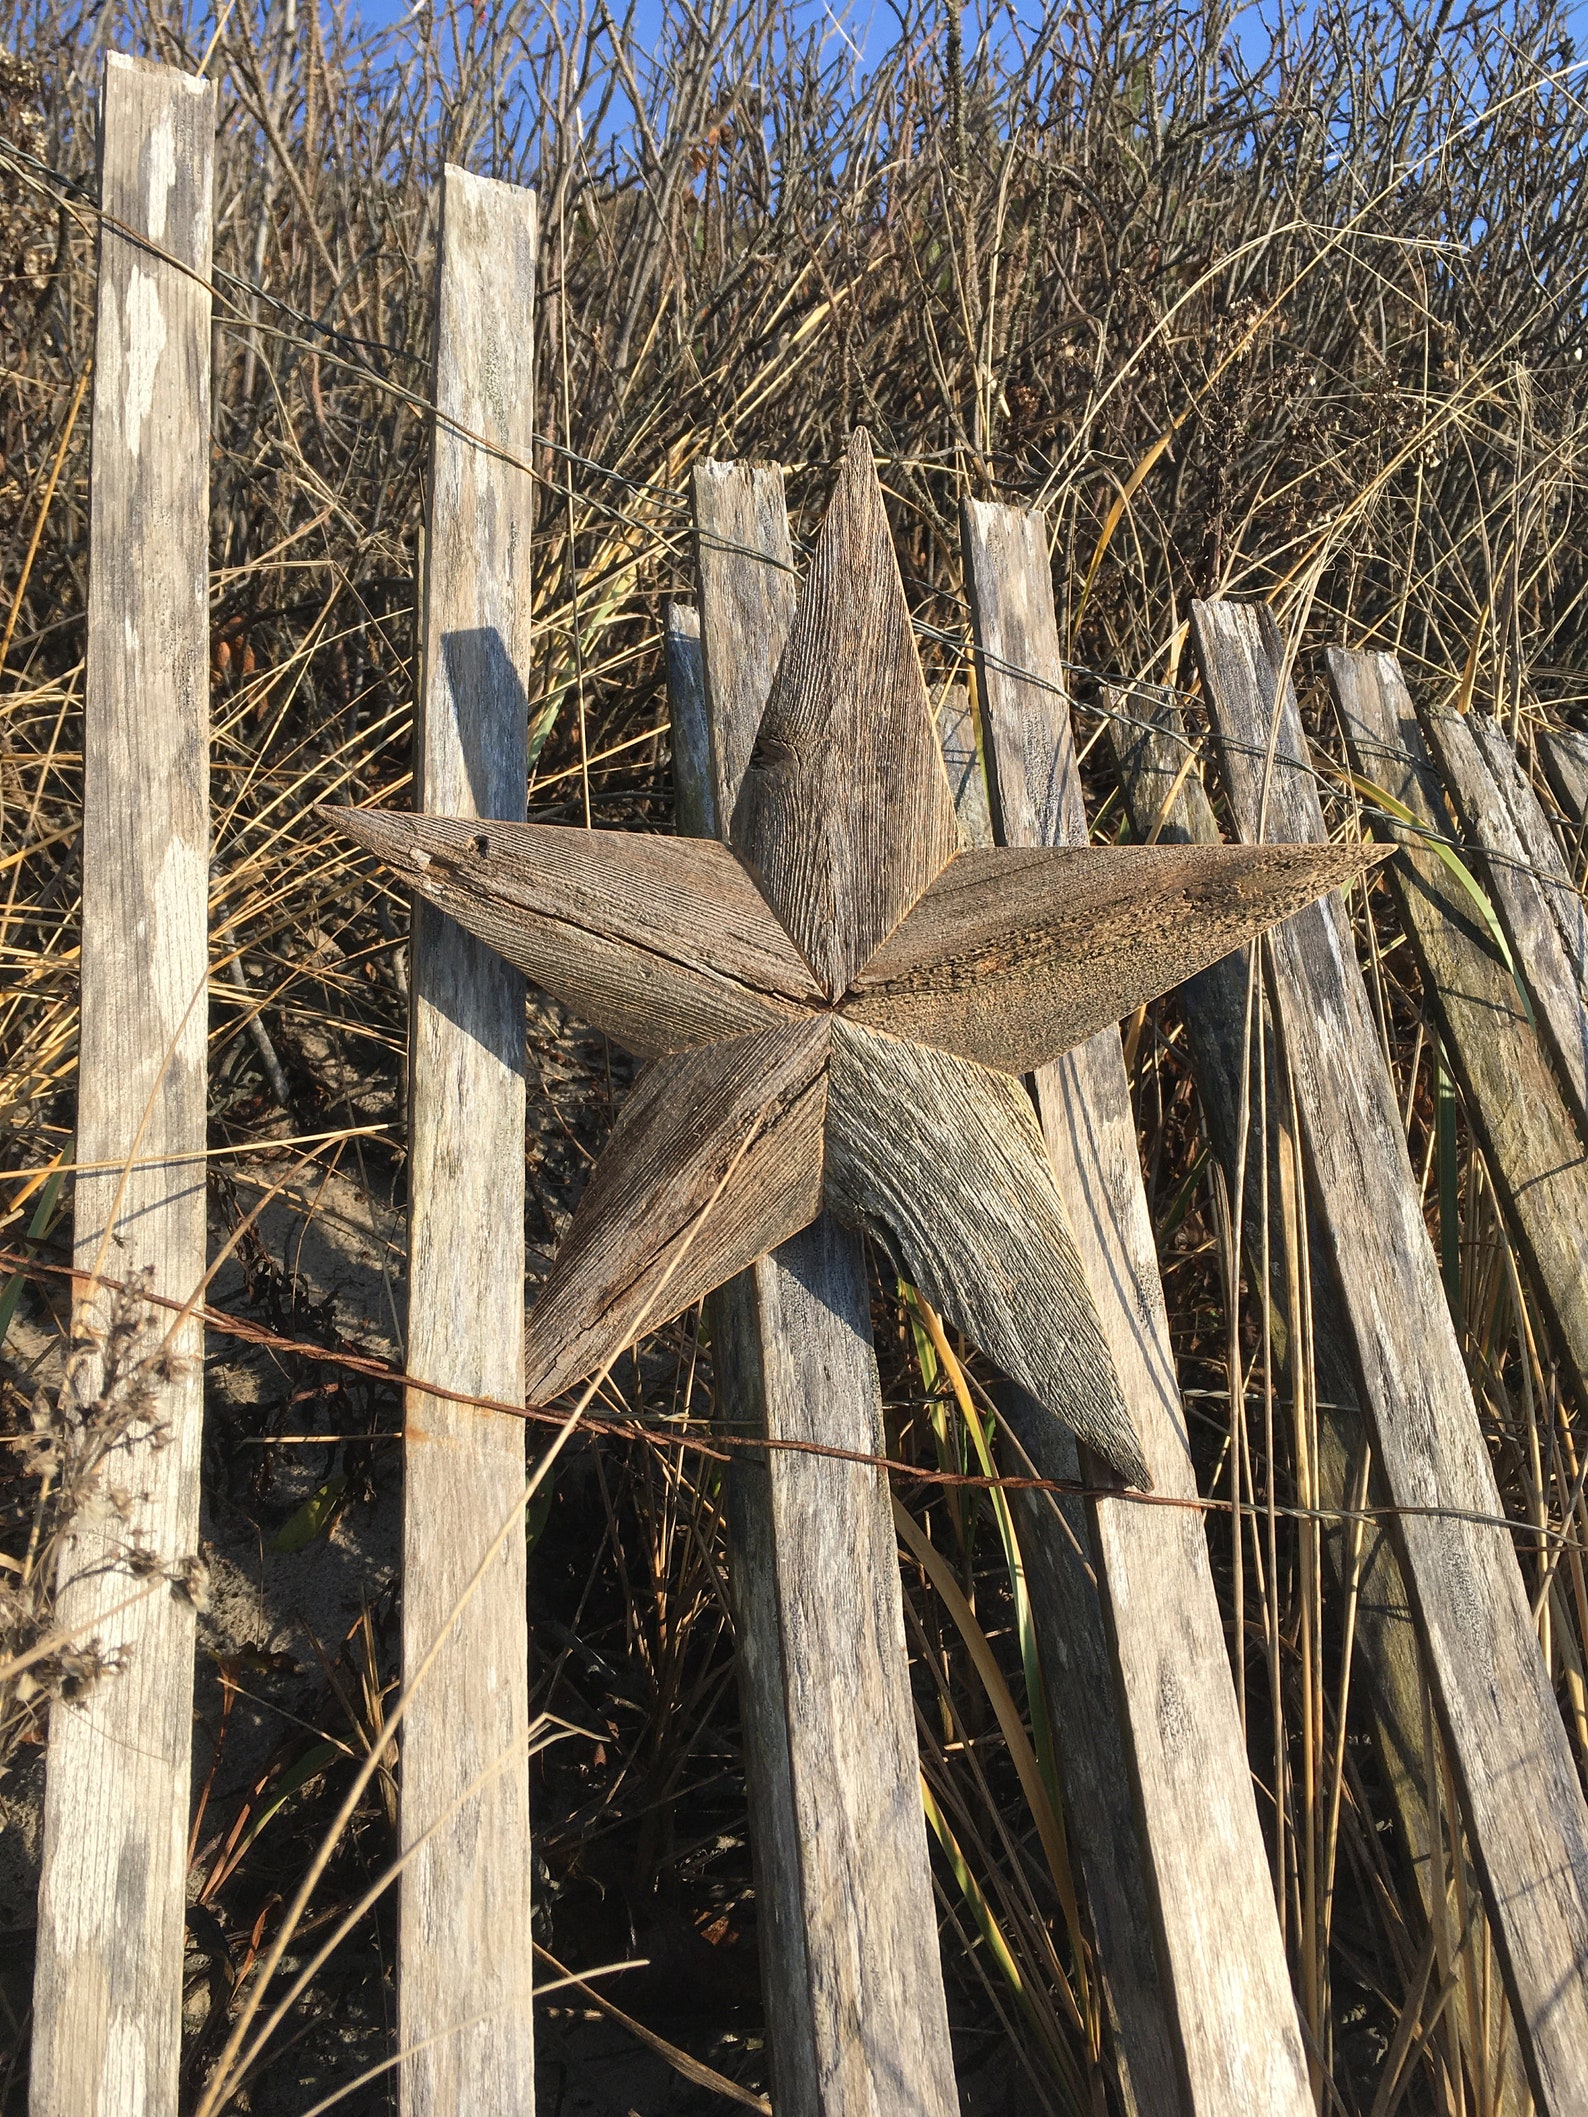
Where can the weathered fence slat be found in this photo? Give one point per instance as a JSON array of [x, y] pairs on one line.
[[464, 1945], [1538, 946], [856, 2016], [1565, 755], [1533, 1151], [108, 1985], [688, 728], [1055, 1547], [1524, 1808], [1233, 2015], [1162, 796], [1547, 867]]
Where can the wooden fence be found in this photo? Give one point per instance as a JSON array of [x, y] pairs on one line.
[[107, 1996], [1200, 2006]]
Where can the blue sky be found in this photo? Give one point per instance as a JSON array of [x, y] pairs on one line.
[[868, 26], [864, 24]]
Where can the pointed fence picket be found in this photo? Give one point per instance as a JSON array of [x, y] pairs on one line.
[[1167, 800], [1073, 1649], [1496, 806], [1532, 1147]]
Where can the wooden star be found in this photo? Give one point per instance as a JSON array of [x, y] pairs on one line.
[[838, 1004]]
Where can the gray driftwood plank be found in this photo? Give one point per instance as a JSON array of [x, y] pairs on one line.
[[1524, 1808], [844, 809], [1151, 750], [1055, 1546], [108, 1985], [856, 2017], [634, 1257], [1538, 946], [1534, 1152], [1233, 2018], [660, 945], [464, 1943]]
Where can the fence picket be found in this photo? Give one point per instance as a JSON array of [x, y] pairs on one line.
[[464, 1944], [856, 2016], [1072, 1644], [1533, 1151], [1232, 2013], [108, 1985], [1161, 796], [1524, 1807], [1466, 753], [1541, 848]]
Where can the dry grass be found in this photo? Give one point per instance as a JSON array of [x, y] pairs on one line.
[[1294, 313]]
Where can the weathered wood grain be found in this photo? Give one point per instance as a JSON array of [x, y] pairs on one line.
[[967, 781], [1013, 956], [1103, 1828], [108, 1983], [1534, 1152], [1540, 845], [716, 1158], [661, 944], [857, 2024], [1524, 1809], [688, 726], [942, 1164], [1160, 795], [1072, 1643], [1223, 1963], [1565, 755], [844, 809], [464, 1938], [744, 562], [1537, 944]]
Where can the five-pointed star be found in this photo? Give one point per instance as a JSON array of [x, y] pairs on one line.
[[838, 1003]]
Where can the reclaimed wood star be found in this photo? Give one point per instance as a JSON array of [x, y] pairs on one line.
[[838, 1004]]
